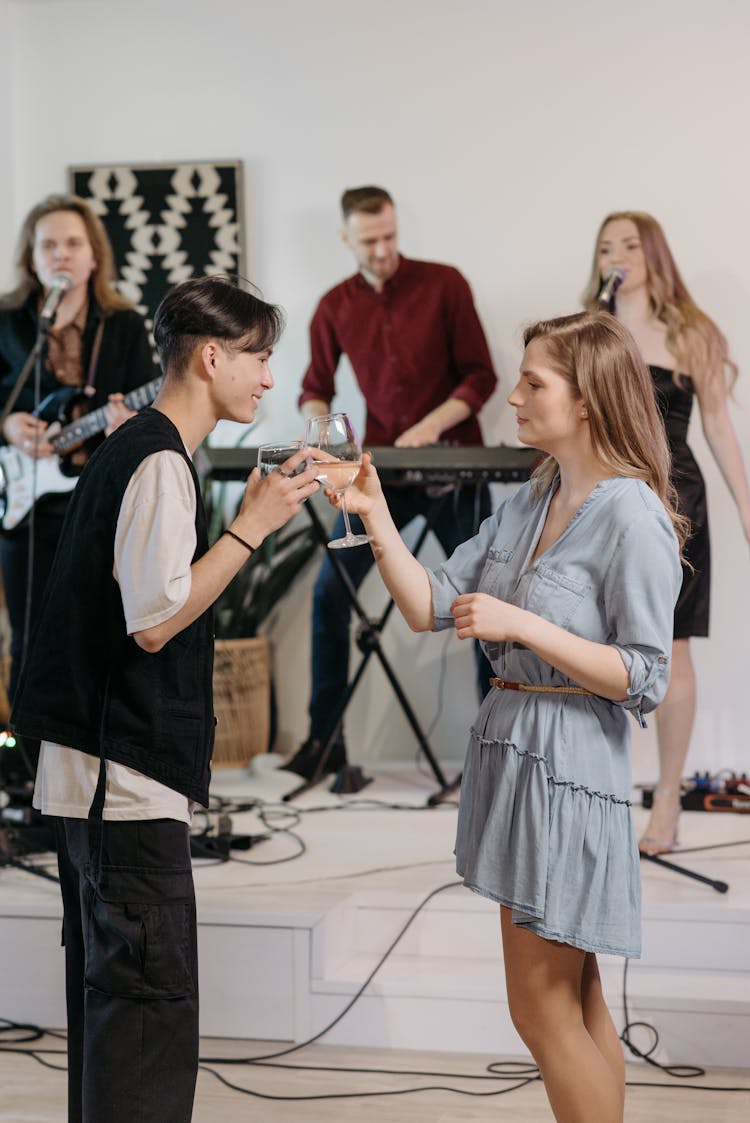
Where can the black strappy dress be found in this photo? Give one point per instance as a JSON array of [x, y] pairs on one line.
[[676, 402]]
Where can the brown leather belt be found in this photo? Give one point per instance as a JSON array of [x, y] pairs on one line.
[[527, 688]]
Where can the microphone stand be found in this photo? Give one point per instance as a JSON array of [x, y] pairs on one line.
[[660, 860], [37, 352], [665, 859], [61, 283], [33, 362]]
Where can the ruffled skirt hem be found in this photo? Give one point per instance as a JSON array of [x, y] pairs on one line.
[[562, 856]]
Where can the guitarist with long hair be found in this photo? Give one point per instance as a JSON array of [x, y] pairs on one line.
[[96, 352]]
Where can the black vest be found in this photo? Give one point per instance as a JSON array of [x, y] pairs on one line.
[[86, 683]]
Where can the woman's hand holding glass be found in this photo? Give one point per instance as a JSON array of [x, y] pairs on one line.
[[363, 495], [336, 455]]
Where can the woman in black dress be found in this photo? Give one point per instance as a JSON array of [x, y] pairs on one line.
[[97, 341], [688, 358]]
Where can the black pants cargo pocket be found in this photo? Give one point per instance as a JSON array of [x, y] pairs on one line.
[[139, 950]]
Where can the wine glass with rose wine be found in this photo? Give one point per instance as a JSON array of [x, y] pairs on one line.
[[334, 435]]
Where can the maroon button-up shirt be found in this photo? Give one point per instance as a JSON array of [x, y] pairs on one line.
[[412, 346]]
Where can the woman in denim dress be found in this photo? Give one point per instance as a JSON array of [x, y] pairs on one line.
[[571, 587]]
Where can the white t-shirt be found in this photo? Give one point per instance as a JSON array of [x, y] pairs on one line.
[[154, 546]]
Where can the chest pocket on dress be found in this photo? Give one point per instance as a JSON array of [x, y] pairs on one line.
[[553, 595], [497, 579]]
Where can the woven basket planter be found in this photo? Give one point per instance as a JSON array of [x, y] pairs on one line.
[[242, 700]]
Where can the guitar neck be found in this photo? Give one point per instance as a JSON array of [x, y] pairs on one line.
[[78, 431]]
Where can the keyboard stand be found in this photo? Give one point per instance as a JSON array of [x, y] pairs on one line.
[[368, 642], [420, 467]]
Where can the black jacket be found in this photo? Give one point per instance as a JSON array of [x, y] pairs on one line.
[[125, 360], [87, 683]]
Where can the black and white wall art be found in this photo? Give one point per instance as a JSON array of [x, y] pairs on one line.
[[166, 222]]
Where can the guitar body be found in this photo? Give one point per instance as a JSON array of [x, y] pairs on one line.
[[24, 480], [59, 409]]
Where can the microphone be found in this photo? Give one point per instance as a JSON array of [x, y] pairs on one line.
[[613, 278], [59, 285]]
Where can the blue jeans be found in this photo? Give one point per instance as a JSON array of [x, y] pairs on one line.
[[131, 968], [459, 518]]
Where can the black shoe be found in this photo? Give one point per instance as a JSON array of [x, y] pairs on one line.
[[349, 780], [300, 762], [306, 760]]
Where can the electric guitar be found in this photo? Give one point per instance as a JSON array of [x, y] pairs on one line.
[[24, 480]]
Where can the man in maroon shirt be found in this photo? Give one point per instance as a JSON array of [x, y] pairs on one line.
[[413, 337]]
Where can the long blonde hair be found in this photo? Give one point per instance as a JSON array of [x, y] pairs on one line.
[[599, 358], [103, 276], [693, 338]]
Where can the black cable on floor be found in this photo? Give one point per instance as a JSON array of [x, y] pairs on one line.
[[679, 1072], [382, 1093], [522, 1072]]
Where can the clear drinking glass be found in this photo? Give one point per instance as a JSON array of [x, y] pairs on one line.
[[271, 457], [335, 436]]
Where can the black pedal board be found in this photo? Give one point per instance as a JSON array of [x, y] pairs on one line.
[[702, 792]]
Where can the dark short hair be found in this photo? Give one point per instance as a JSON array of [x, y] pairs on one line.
[[219, 308], [369, 200]]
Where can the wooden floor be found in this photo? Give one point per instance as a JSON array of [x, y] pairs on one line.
[[394, 860], [31, 1093]]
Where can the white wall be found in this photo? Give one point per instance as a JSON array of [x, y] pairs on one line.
[[505, 130], [6, 135]]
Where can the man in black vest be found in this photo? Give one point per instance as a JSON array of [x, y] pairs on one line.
[[117, 686]]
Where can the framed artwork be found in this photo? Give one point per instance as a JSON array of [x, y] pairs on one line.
[[166, 222]]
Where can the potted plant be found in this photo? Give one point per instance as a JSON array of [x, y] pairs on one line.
[[243, 688]]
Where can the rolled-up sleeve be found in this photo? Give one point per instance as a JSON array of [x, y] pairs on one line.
[[461, 572], [640, 591], [325, 351], [469, 350]]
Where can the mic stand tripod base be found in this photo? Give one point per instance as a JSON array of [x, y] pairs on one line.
[[659, 860], [445, 792], [347, 781], [306, 786]]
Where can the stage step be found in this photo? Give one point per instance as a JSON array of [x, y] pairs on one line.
[[695, 934], [284, 949], [443, 986]]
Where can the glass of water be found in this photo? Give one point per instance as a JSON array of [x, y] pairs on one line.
[[271, 457]]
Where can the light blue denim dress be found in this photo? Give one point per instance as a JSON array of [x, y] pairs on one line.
[[544, 824]]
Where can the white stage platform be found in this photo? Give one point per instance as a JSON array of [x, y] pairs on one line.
[[284, 947]]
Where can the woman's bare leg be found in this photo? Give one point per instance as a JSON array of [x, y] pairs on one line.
[[598, 1021], [674, 726], [546, 988]]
